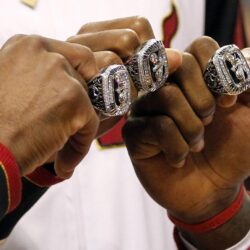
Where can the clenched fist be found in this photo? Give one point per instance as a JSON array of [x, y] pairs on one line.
[[190, 154], [44, 106]]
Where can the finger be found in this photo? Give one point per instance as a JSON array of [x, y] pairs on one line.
[[147, 137], [171, 102], [139, 24], [103, 60], [246, 54], [106, 58], [124, 42], [203, 49], [80, 57], [174, 59], [191, 82], [76, 148], [12, 41], [63, 62]]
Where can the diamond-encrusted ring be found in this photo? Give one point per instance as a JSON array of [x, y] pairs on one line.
[[110, 92], [227, 71], [148, 68]]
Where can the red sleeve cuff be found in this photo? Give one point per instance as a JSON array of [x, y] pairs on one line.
[[43, 178], [10, 170]]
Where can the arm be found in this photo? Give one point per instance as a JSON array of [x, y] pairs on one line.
[[226, 235], [37, 119], [190, 151]]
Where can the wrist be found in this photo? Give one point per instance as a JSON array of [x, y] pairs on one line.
[[213, 204], [225, 235]]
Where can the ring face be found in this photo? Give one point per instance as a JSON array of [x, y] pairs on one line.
[[148, 68], [110, 92], [228, 72]]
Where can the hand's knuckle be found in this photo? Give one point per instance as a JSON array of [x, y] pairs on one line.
[[72, 94], [141, 23], [189, 60], [195, 132], [110, 58], [16, 38], [86, 52], [87, 65], [203, 43], [85, 55], [72, 39], [34, 41], [58, 60], [206, 107], [179, 154], [162, 124], [128, 41], [84, 28], [171, 92]]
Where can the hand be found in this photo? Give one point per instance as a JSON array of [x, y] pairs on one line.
[[166, 130], [44, 103], [113, 42]]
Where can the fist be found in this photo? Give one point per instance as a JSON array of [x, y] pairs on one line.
[[44, 105]]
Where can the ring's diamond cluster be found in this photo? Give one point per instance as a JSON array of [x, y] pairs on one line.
[[111, 91], [228, 72], [148, 68]]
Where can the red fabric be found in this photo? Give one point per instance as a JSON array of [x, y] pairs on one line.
[[170, 26], [13, 177], [43, 178], [114, 137], [217, 220]]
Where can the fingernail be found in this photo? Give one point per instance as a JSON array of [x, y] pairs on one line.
[[198, 146], [226, 101], [179, 164], [206, 121]]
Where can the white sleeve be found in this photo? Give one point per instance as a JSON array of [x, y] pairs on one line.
[[244, 244]]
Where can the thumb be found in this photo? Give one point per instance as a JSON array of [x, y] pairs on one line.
[[174, 59]]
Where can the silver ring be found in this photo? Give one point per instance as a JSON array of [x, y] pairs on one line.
[[148, 68], [110, 92], [227, 71]]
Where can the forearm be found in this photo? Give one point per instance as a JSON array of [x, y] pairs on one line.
[[226, 235]]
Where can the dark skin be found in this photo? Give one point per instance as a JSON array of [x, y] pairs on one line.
[[34, 71], [181, 125], [166, 130], [158, 137], [100, 37], [114, 41]]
